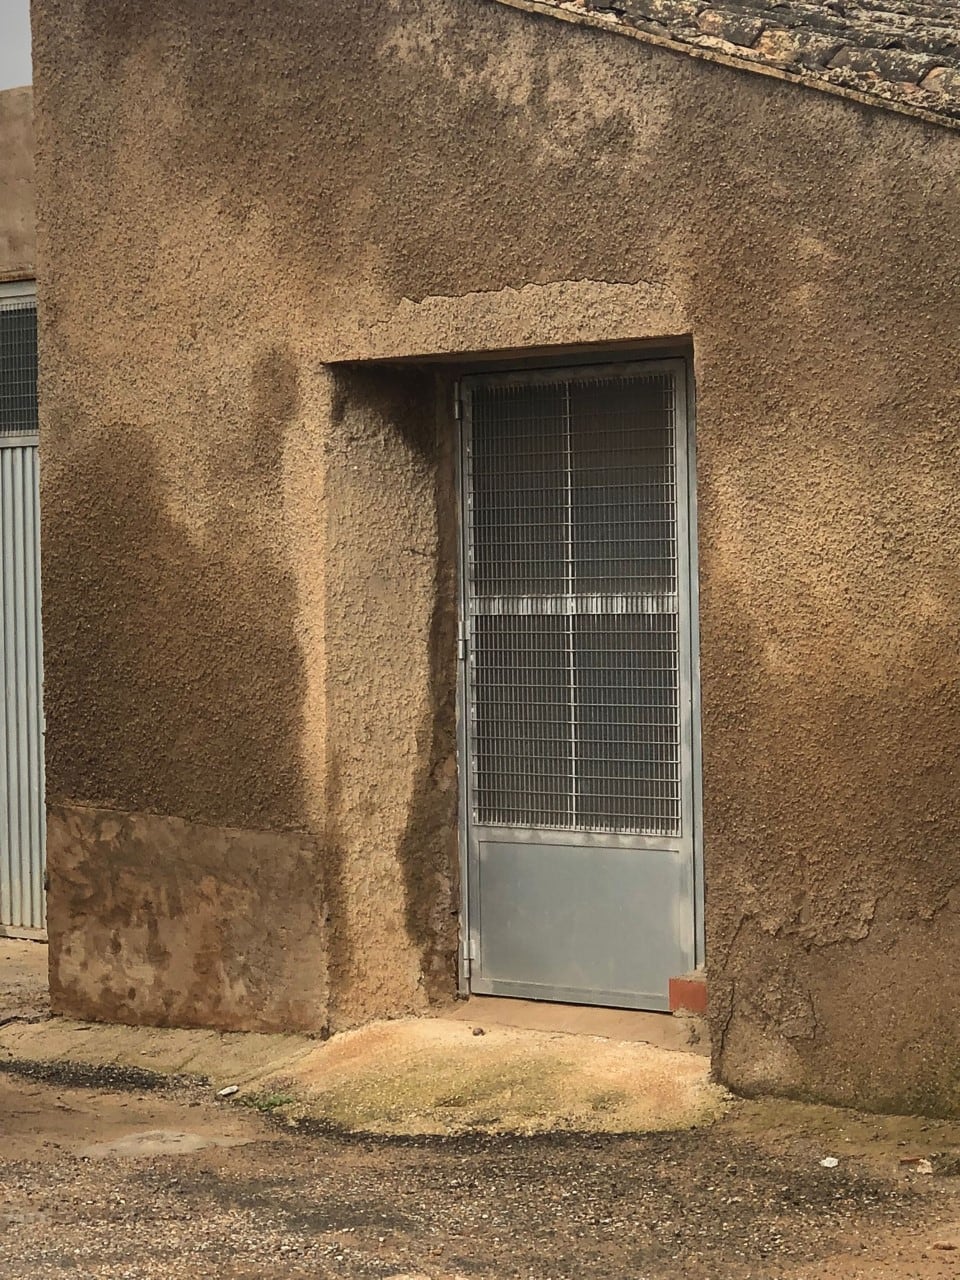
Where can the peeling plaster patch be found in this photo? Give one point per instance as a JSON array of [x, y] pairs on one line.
[[819, 922], [773, 1065], [557, 313], [950, 902], [784, 1006], [156, 920], [850, 922]]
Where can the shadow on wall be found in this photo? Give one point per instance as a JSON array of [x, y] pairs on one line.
[[392, 725], [429, 848], [849, 938], [176, 687], [161, 636]]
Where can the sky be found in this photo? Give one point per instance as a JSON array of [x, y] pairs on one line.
[[14, 43]]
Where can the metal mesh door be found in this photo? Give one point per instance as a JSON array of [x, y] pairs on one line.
[[572, 601], [18, 366]]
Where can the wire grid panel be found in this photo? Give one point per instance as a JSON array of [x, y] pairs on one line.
[[573, 583], [18, 366]]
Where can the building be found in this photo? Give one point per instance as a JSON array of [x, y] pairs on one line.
[[591, 370], [22, 817]]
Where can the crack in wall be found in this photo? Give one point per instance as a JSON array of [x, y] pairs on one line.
[[534, 286]]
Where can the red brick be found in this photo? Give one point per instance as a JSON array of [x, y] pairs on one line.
[[688, 994]]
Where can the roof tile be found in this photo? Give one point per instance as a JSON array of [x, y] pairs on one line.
[[899, 51]]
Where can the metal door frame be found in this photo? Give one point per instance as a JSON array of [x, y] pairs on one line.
[[688, 625]]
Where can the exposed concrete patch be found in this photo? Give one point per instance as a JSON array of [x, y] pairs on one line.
[[683, 1033], [231, 1058], [135, 945], [569, 312], [51, 1119]]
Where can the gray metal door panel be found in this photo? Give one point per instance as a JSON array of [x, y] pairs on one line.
[[596, 923], [22, 816], [576, 719]]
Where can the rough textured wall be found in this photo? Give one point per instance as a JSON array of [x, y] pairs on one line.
[[248, 553], [241, 705], [390, 640], [17, 244]]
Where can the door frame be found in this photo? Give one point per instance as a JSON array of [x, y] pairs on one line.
[[581, 363]]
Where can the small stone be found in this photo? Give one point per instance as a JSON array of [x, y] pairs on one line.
[[478, 1031], [829, 1162], [670, 13], [894, 65], [736, 29], [943, 80], [777, 45], [815, 49], [229, 1091], [916, 1164]]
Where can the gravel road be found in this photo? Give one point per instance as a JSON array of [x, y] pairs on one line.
[[221, 1190]]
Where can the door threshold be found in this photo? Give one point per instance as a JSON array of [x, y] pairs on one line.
[[685, 1034]]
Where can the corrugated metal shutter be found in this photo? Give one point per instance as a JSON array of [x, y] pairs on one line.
[[22, 817]]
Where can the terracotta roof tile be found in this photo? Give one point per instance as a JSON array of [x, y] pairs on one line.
[[903, 52]]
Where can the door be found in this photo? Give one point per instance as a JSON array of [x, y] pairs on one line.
[[576, 684], [21, 663]]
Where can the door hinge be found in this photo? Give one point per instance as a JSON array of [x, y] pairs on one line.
[[468, 954], [457, 407], [463, 636]]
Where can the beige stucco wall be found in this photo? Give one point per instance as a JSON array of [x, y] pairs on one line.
[[248, 553], [17, 238]]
